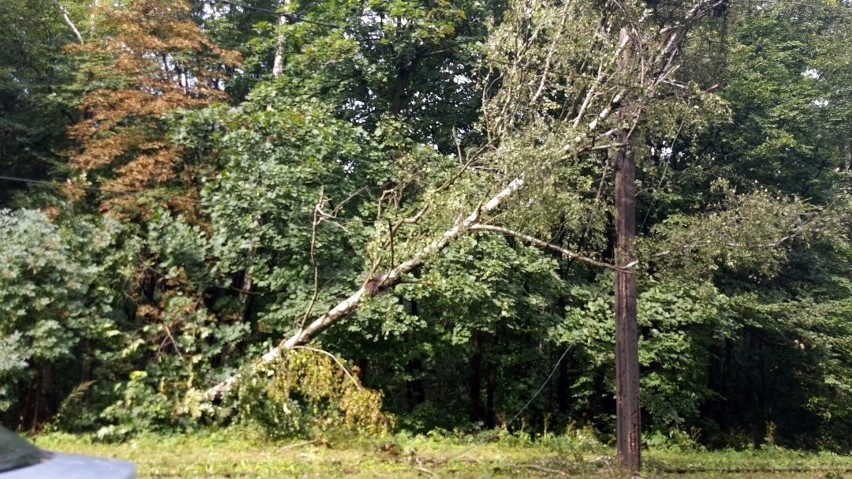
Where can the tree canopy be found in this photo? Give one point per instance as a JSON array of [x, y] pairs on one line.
[[212, 207]]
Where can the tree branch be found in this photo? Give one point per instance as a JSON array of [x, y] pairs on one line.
[[544, 244], [71, 24], [373, 286]]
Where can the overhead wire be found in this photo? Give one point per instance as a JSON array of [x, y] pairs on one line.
[[541, 388], [526, 405]]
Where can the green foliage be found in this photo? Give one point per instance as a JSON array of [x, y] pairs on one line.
[[287, 173], [675, 440], [789, 91], [483, 283], [389, 122], [742, 232], [36, 102], [141, 407], [178, 336], [309, 393], [57, 305], [411, 59], [679, 323]]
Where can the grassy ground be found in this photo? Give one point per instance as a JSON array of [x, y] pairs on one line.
[[241, 454]]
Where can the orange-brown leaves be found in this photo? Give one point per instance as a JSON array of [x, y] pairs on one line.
[[154, 61], [147, 170], [101, 151]]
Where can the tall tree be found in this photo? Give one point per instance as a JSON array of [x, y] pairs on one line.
[[152, 62], [36, 102]]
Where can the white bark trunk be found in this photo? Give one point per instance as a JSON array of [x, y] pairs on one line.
[[280, 45], [383, 283], [71, 24]]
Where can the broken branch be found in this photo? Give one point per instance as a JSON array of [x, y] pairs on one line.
[[382, 283], [544, 244]]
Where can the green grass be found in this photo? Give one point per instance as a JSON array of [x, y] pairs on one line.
[[240, 453]]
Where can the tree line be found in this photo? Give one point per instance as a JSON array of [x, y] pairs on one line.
[[202, 195]]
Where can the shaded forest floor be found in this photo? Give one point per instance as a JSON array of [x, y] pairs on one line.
[[240, 454]]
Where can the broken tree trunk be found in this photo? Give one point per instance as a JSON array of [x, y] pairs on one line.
[[377, 285]]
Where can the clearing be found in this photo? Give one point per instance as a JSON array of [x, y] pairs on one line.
[[243, 454]]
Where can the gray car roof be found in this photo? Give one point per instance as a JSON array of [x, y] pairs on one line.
[[70, 466]]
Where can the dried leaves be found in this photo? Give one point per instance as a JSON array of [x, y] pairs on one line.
[[153, 61]]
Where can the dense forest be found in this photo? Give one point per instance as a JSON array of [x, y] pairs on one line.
[[379, 214]]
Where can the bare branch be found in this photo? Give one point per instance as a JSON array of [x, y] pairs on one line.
[[551, 50], [544, 244], [600, 79], [71, 24]]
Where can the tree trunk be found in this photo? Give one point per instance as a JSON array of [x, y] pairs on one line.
[[476, 378], [628, 428], [278, 63], [382, 283], [397, 92], [414, 386], [490, 389]]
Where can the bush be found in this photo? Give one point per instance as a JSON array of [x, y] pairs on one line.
[[59, 327]]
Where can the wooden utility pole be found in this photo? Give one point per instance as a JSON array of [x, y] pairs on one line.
[[628, 428]]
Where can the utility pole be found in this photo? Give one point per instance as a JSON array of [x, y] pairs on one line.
[[628, 427]]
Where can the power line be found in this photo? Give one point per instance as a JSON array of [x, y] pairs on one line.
[[27, 180], [541, 388], [525, 406], [54, 184], [68, 184]]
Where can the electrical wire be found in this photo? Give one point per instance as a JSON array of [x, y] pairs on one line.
[[541, 388], [525, 406], [289, 16], [57, 185]]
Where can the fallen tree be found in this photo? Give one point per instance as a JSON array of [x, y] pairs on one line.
[[375, 285], [631, 69]]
